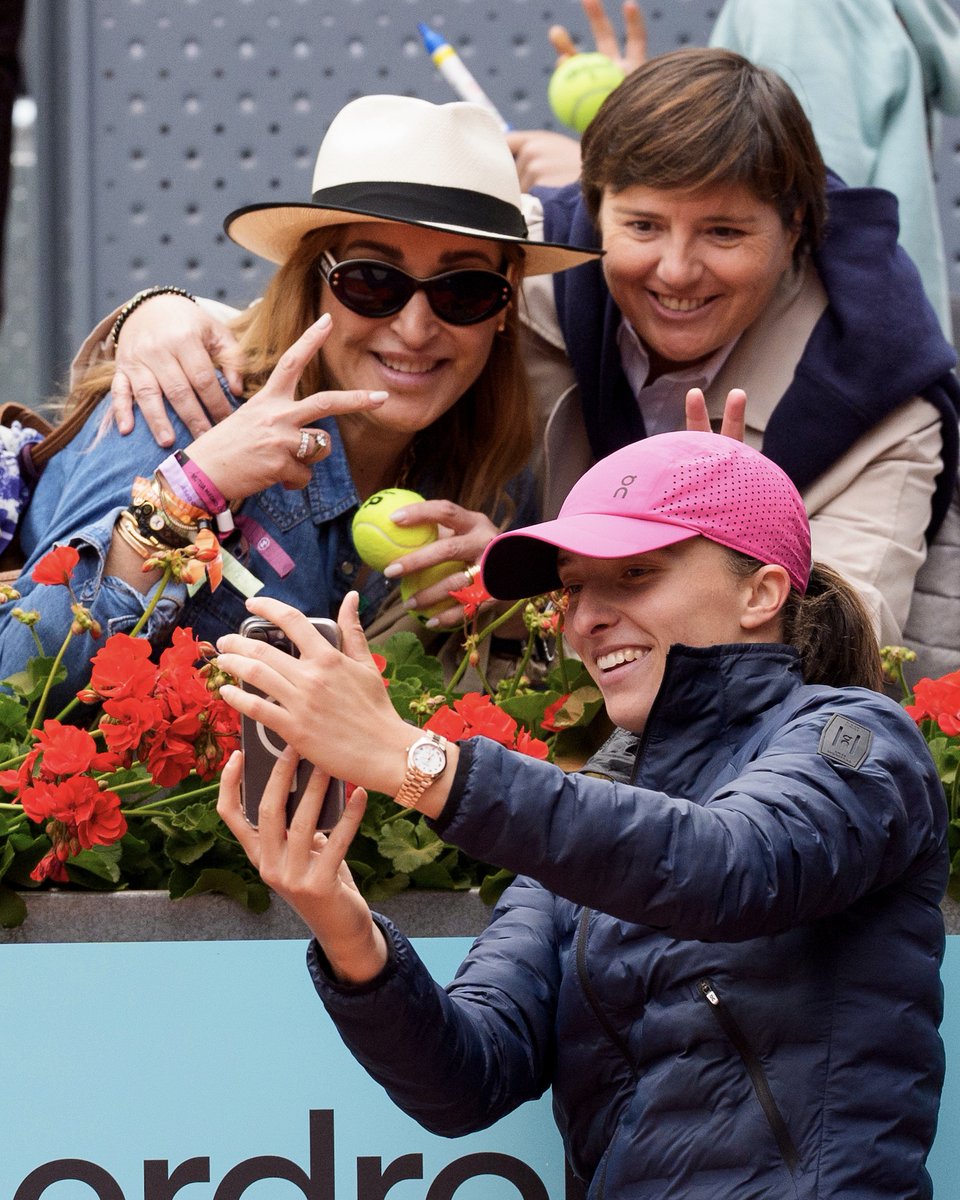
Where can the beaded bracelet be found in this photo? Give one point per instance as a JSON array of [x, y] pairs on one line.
[[138, 299]]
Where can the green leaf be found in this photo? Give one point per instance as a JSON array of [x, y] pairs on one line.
[[100, 862], [202, 817], [13, 909], [186, 850], [493, 886], [135, 774], [528, 707], [29, 848], [251, 894], [30, 682], [409, 845], [382, 887], [12, 716], [446, 874], [6, 858]]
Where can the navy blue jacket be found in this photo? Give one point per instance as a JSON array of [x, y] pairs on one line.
[[877, 345], [726, 970]]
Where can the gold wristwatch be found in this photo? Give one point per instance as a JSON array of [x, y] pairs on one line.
[[426, 762]]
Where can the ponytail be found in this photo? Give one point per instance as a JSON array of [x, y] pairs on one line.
[[831, 630], [829, 627]]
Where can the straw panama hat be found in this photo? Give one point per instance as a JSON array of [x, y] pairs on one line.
[[401, 159]]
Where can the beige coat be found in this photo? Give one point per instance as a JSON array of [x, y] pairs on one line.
[[868, 513]]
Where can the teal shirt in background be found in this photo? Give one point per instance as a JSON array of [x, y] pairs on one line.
[[871, 75]]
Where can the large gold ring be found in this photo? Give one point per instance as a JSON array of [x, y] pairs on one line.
[[314, 445]]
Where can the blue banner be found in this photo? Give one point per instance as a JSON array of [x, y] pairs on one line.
[[209, 1071]]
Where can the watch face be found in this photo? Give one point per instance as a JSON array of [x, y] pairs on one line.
[[429, 758]]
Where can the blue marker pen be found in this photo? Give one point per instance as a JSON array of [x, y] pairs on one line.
[[450, 65]]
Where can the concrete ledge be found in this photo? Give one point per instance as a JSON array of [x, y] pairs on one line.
[[951, 915], [62, 916]]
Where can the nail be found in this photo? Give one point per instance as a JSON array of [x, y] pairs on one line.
[[392, 570], [410, 605], [398, 516], [323, 321], [377, 395]]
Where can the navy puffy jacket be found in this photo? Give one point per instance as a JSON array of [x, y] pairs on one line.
[[728, 970]]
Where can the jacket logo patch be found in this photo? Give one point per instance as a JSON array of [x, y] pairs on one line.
[[845, 742]]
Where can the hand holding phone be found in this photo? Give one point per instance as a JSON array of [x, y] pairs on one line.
[[262, 747]]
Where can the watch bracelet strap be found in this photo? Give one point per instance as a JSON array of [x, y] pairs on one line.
[[415, 781], [412, 788]]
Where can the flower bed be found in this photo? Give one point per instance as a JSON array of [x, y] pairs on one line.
[[117, 792]]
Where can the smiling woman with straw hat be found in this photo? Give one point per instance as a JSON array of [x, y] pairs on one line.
[[383, 353]]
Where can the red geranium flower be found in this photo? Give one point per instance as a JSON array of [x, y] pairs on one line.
[[50, 867], [122, 667], [169, 760], [66, 749], [486, 719], [447, 724], [40, 801], [183, 652], [56, 566], [549, 722], [127, 721], [103, 823], [529, 745], [381, 665], [471, 597], [938, 700]]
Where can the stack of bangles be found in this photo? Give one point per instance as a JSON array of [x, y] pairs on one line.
[[169, 510]]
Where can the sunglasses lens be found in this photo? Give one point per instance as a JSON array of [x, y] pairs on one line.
[[375, 289], [371, 289], [466, 297]]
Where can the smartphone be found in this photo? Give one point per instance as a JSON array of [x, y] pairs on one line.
[[262, 747]]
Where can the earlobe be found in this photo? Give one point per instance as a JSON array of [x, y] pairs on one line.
[[765, 595]]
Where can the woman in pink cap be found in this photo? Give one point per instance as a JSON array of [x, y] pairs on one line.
[[722, 950]]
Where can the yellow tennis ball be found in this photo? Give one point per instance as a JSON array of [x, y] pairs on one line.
[[416, 581], [377, 539], [579, 85]]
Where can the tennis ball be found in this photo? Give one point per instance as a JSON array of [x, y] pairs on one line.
[[377, 539], [579, 85], [416, 581]]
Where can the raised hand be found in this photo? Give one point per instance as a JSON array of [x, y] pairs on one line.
[[734, 413], [265, 440], [634, 51], [308, 869], [329, 704], [464, 535], [548, 159]]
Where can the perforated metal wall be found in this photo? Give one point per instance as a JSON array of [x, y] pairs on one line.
[[163, 115], [198, 108]]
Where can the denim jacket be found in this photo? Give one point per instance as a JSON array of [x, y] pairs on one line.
[[297, 543]]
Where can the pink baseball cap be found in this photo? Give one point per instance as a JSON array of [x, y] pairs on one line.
[[651, 494]]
